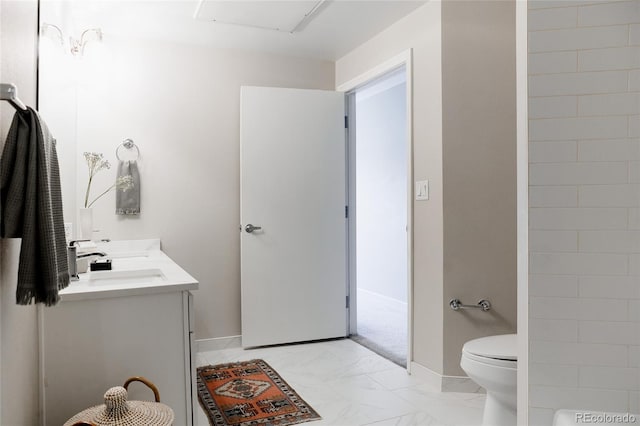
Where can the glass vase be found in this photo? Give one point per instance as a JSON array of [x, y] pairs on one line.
[[86, 223]]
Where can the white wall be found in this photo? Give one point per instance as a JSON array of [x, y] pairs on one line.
[[18, 324], [180, 104], [584, 133], [381, 193]]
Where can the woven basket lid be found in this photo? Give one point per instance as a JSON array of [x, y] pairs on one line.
[[118, 411]]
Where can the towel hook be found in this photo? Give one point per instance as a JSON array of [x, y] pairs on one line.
[[128, 144]]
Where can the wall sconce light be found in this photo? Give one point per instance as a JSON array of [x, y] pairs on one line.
[[76, 46], [52, 32]]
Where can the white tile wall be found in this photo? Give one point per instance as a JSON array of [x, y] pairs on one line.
[[584, 199], [634, 80], [609, 150], [554, 4], [634, 126], [602, 286], [609, 13], [544, 152], [553, 375], [553, 196], [634, 356], [606, 59], [554, 330], [578, 173], [553, 285], [578, 263], [548, 19], [548, 241], [634, 265], [634, 310], [579, 83], [634, 218], [578, 218], [615, 104], [625, 241], [579, 128], [571, 353], [634, 402], [553, 107], [625, 195], [578, 38], [634, 34], [613, 332], [552, 62]]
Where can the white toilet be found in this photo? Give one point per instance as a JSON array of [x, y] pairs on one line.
[[492, 363]]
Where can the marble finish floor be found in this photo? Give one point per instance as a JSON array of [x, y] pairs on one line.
[[349, 385]]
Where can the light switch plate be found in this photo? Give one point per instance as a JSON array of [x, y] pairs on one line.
[[422, 190]]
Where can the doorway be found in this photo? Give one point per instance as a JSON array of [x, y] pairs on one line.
[[379, 220]]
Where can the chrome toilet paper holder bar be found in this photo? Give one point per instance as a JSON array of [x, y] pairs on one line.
[[484, 304]]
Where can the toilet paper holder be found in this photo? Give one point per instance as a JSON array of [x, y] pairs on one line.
[[456, 304]]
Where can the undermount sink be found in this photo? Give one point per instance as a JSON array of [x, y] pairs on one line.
[[136, 276]]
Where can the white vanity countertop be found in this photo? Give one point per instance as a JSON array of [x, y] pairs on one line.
[[138, 267]]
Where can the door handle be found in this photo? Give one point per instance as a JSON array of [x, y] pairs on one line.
[[250, 228]]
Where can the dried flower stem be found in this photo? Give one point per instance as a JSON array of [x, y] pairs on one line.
[[111, 188], [86, 195], [96, 162]]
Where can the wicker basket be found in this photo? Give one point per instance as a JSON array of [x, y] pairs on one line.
[[118, 411]]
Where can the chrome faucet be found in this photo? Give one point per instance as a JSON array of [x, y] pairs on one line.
[[73, 256]]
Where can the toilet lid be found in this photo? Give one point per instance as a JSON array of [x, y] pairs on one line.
[[504, 346]]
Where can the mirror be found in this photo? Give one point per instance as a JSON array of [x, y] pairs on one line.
[[164, 75]]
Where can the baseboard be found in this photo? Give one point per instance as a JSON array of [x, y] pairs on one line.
[[442, 383], [218, 343], [427, 375]]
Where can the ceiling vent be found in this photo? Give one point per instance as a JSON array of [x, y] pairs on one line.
[[282, 16]]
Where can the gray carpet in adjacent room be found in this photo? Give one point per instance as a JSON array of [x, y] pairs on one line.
[[382, 326]]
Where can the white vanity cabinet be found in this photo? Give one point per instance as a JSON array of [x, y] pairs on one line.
[[96, 339], [92, 345]]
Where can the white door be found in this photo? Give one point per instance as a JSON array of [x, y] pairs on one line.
[[292, 155]]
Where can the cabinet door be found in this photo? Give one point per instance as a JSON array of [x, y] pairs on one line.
[[113, 339]]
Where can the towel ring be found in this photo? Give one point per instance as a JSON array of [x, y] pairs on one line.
[[128, 144]]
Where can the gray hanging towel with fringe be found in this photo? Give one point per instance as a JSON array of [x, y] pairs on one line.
[[32, 209], [128, 200]]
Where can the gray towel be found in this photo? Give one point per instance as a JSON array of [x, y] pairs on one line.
[[32, 209], [128, 202]]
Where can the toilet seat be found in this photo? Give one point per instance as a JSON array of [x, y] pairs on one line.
[[497, 348], [491, 361]]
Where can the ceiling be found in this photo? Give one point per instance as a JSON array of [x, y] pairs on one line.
[[334, 29]]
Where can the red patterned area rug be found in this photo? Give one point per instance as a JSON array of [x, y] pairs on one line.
[[250, 393]]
